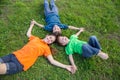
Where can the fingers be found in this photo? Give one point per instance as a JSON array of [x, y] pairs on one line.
[[33, 21], [74, 66], [72, 69], [82, 29]]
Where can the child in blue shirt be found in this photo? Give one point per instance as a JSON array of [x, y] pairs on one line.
[[52, 19]]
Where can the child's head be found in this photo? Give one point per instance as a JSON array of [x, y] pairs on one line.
[[49, 39], [57, 30], [62, 40]]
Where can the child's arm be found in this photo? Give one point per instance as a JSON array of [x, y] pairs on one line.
[[56, 63], [40, 25], [72, 62], [78, 33], [73, 28], [30, 29]]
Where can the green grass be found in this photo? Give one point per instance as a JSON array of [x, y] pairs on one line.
[[98, 17]]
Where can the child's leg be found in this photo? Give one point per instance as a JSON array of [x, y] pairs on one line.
[[6, 58], [11, 67], [3, 68], [54, 7], [46, 7], [2, 64], [1, 61], [93, 41], [89, 51]]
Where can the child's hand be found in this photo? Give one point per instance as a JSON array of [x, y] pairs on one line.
[[71, 69], [74, 66], [32, 23], [82, 29]]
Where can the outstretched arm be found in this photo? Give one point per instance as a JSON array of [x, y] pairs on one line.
[[72, 62], [40, 25], [78, 33], [73, 28], [30, 29], [56, 63]]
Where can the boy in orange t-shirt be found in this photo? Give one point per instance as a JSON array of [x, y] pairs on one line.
[[23, 59]]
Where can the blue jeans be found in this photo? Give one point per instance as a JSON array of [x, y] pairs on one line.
[[53, 7], [92, 48], [13, 65]]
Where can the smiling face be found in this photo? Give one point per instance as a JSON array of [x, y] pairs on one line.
[[56, 30], [49, 39], [63, 40]]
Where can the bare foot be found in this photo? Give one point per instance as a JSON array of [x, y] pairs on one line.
[[103, 55]]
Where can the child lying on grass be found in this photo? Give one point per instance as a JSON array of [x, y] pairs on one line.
[[73, 45], [23, 59], [52, 19]]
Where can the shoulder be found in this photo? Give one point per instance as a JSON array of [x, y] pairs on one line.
[[73, 36], [34, 37]]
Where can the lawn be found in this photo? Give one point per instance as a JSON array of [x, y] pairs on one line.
[[98, 17]]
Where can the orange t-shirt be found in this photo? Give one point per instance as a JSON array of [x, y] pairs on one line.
[[30, 52]]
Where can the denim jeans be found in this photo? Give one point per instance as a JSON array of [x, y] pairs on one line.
[[91, 48], [12, 64], [52, 9]]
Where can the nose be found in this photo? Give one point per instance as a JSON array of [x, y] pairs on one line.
[[56, 28]]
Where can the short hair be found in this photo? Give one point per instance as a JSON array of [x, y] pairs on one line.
[[56, 33], [57, 40]]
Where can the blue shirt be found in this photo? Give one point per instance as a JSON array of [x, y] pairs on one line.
[[53, 19]]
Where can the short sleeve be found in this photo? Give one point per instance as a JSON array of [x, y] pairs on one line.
[[73, 37], [65, 26], [62, 26], [47, 51], [49, 27], [68, 50], [32, 37]]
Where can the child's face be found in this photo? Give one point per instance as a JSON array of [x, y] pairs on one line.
[[56, 28], [63, 40], [50, 39]]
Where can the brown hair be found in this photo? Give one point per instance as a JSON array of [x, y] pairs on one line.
[[57, 40], [56, 33], [53, 50]]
